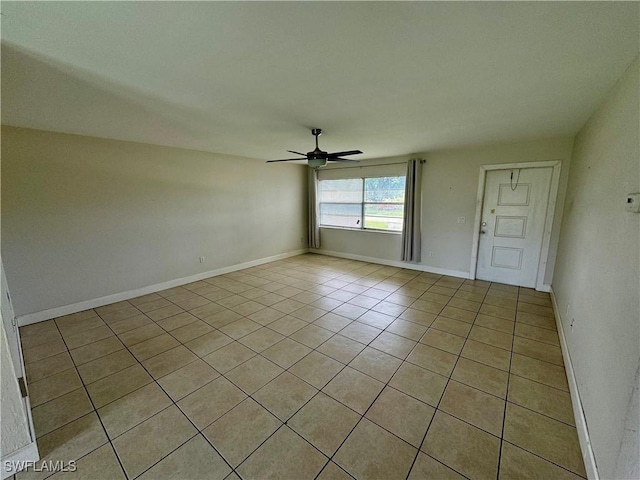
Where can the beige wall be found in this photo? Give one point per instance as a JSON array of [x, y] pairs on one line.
[[84, 217], [596, 283], [449, 191]]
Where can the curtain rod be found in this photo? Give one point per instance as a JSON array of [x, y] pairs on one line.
[[376, 165]]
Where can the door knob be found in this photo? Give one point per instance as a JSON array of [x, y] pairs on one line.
[[483, 225]]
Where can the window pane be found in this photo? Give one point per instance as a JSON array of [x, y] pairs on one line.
[[384, 189], [383, 216], [341, 191], [341, 215]]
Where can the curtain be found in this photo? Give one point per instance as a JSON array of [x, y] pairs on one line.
[[314, 229], [412, 212]]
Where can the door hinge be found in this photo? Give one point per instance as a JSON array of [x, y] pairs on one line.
[[23, 387]]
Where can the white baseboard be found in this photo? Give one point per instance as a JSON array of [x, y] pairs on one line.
[[43, 315], [20, 459], [578, 412], [393, 263], [544, 288]]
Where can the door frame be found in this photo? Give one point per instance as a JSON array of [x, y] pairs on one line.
[[548, 222]]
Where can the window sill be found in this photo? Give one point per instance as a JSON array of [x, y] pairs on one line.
[[368, 230]]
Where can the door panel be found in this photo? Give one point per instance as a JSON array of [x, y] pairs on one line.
[[510, 198], [512, 227], [505, 257], [513, 218]]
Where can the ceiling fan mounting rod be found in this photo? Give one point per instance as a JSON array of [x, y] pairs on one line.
[[316, 132]]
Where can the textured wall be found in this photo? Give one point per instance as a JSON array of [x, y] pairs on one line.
[[597, 279], [84, 217]]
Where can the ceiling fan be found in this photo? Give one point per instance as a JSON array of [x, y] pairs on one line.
[[319, 158]]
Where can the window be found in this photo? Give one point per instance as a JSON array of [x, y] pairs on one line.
[[375, 203]]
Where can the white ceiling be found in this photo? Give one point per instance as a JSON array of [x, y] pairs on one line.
[[389, 78]]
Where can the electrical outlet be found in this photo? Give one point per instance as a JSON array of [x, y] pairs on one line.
[[201, 259], [301, 240], [431, 254], [462, 220]]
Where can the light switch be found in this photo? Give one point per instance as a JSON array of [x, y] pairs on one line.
[[633, 203]]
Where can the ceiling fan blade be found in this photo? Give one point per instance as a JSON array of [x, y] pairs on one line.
[[297, 153], [336, 159], [287, 160], [341, 154]]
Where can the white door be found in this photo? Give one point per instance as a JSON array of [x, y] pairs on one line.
[[24, 428], [512, 225]]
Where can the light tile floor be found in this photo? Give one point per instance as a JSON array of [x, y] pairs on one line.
[[310, 367]]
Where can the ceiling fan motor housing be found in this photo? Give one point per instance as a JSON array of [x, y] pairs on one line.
[[317, 153]]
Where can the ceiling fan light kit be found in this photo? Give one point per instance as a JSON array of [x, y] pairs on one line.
[[318, 158], [317, 162]]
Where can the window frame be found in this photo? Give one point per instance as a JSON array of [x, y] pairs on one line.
[[362, 204]]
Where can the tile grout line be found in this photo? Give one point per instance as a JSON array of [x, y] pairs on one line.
[[545, 459], [266, 326], [395, 317], [258, 353], [502, 440], [109, 439], [386, 384], [263, 326], [437, 407], [338, 401], [504, 414], [173, 403], [86, 391], [315, 395]]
